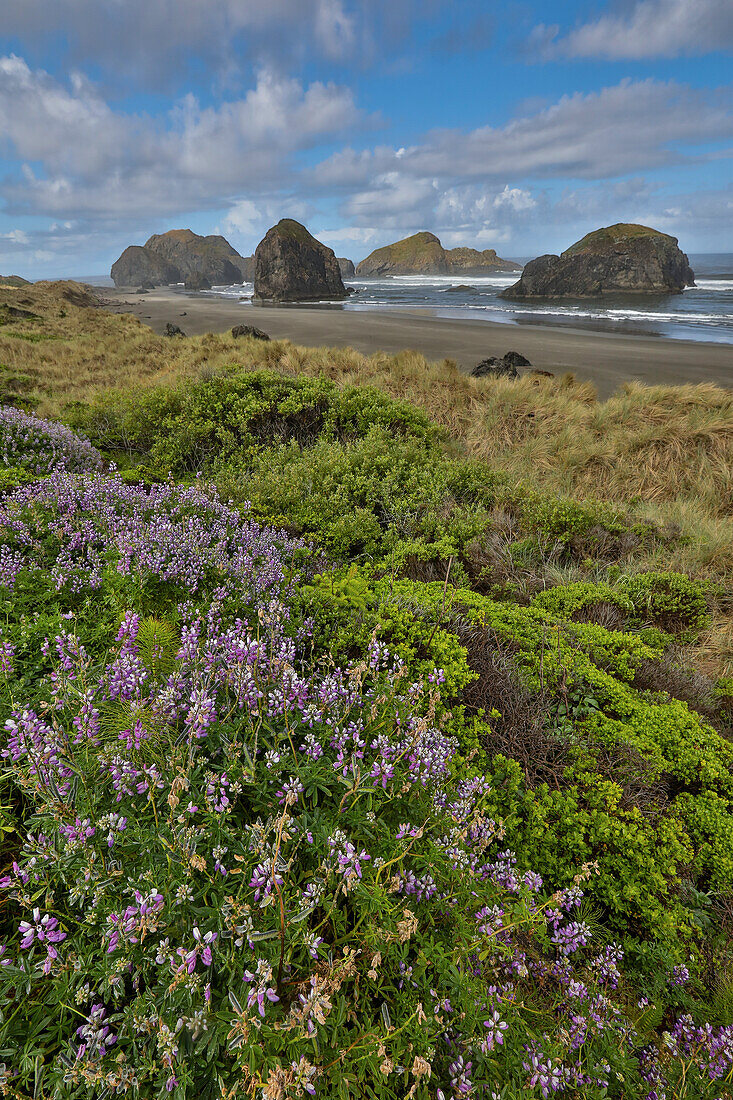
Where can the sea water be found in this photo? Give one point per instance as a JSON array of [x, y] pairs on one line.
[[702, 312]]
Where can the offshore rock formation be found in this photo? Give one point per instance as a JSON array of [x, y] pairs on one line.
[[621, 259], [469, 261], [423, 254], [138, 266], [180, 256], [346, 267], [292, 266]]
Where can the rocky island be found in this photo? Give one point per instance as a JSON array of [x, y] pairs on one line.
[[346, 267], [620, 259], [292, 266], [182, 256], [423, 254]]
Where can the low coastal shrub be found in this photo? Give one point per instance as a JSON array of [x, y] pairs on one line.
[[196, 426], [672, 602], [362, 475], [241, 868]]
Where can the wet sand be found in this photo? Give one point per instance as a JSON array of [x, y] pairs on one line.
[[607, 359]]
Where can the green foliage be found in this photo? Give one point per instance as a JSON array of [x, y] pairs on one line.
[[564, 519], [673, 601], [624, 818], [201, 425], [376, 497]]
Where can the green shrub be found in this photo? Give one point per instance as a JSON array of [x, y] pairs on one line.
[[199, 425], [672, 601]]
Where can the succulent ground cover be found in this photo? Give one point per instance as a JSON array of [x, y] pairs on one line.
[[284, 815]]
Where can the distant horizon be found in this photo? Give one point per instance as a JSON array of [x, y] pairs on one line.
[[105, 275]]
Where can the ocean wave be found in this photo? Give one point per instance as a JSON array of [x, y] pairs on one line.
[[489, 281], [713, 284], [645, 315]]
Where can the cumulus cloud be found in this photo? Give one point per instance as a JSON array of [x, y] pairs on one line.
[[81, 157], [653, 28], [582, 135]]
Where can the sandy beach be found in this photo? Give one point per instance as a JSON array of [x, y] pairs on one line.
[[607, 359]]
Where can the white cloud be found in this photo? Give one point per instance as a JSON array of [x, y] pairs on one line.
[[335, 29], [586, 136], [350, 234], [485, 185], [653, 28], [15, 236], [81, 157], [515, 198]]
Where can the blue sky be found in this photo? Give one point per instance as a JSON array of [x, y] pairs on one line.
[[518, 125]]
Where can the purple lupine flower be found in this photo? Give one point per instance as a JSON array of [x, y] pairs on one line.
[[42, 445], [571, 937], [95, 1034], [262, 990], [348, 859], [201, 950], [495, 1031], [43, 929]]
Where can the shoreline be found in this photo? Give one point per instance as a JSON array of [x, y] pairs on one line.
[[608, 359]]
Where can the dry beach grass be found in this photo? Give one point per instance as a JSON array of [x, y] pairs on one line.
[[665, 452]]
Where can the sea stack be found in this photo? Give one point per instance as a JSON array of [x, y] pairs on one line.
[[138, 266], [182, 256], [423, 254], [620, 259], [346, 267], [292, 266]]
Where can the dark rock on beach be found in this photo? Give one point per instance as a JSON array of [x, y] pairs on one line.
[[506, 367], [197, 282], [292, 266], [249, 330], [620, 259]]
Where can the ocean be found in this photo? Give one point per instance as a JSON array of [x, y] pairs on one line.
[[703, 312]]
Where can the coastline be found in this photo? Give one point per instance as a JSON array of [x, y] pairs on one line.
[[604, 358]]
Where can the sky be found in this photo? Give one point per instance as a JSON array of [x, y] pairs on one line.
[[517, 125]]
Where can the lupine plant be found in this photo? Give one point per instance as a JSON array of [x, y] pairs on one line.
[[42, 446], [240, 869]]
